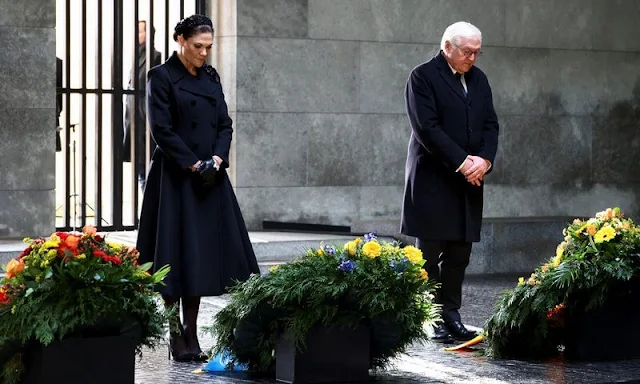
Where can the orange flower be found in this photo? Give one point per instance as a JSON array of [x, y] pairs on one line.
[[72, 242], [14, 267], [89, 230], [591, 229]]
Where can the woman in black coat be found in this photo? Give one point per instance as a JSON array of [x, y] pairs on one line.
[[190, 216]]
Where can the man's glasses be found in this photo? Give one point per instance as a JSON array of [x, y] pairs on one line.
[[468, 52]]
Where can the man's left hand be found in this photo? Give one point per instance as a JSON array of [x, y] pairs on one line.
[[476, 172]]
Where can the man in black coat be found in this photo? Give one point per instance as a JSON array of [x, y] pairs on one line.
[[453, 144], [135, 118]]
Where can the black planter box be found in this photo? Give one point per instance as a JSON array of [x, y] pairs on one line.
[[96, 360], [607, 333], [333, 355]]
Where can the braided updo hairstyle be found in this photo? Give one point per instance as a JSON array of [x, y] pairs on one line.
[[192, 25]]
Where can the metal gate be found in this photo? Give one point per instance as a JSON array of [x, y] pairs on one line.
[[100, 86]]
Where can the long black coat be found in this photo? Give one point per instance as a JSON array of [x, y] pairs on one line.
[[202, 237], [135, 118], [439, 204]]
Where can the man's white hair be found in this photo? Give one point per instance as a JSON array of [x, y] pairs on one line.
[[455, 31]]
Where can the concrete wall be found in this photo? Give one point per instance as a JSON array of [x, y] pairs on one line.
[[321, 130], [27, 117]]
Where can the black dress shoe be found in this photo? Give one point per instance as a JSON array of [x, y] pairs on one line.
[[459, 332], [441, 334]]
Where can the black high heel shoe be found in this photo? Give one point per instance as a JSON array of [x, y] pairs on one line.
[[178, 346], [193, 346]]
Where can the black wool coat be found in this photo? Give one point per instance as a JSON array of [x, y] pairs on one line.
[[202, 236], [446, 126]]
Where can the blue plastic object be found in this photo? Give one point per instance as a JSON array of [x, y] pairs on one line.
[[218, 363]]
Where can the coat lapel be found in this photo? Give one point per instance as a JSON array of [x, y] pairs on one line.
[[449, 77], [186, 81]]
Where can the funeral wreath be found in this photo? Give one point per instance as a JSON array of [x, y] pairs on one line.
[[365, 281], [73, 284], [598, 262]]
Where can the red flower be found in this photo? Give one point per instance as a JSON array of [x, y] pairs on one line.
[[556, 314], [63, 235], [4, 297], [24, 253], [100, 253], [112, 259]]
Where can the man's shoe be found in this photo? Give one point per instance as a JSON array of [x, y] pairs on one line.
[[459, 332], [441, 334]]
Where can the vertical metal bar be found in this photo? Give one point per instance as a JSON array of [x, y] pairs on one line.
[[67, 111], [169, 34], [99, 106], [116, 125], [181, 9], [83, 124], [133, 118], [201, 7]]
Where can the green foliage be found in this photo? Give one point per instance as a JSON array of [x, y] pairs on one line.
[[363, 282], [596, 258], [69, 285]]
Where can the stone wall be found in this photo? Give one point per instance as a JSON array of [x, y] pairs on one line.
[[27, 117], [321, 131]]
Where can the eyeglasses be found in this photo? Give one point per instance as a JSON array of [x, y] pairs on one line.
[[467, 52]]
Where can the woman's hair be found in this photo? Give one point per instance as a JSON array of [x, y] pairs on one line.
[[193, 25]]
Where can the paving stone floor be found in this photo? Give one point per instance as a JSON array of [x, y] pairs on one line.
[[423, 363]]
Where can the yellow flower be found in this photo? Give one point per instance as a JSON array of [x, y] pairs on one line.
[[556, 261], [116, 247], [81, 256], [423, 274], [371, 249], [52, 242], [273, 268], [606, 233], [579, 230], [52, 254], [560, 249], [320, 252], [520, 280], [351, 247], [413, 254], [358, 241]]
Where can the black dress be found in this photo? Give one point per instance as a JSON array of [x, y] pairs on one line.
[[201, 235]]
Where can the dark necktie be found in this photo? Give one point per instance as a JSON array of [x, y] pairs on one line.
[[458, 79]]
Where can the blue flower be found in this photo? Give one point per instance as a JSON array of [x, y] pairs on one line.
[[347, 266], [399, 266], [370, 236], [329, 250]]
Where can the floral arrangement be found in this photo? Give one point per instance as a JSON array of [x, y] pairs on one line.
[[598, 261], [70, 285], [366, 281]]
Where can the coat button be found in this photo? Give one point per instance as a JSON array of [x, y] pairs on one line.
[[193, 103]]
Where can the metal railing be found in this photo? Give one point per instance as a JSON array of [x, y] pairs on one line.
[[91, 182]]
